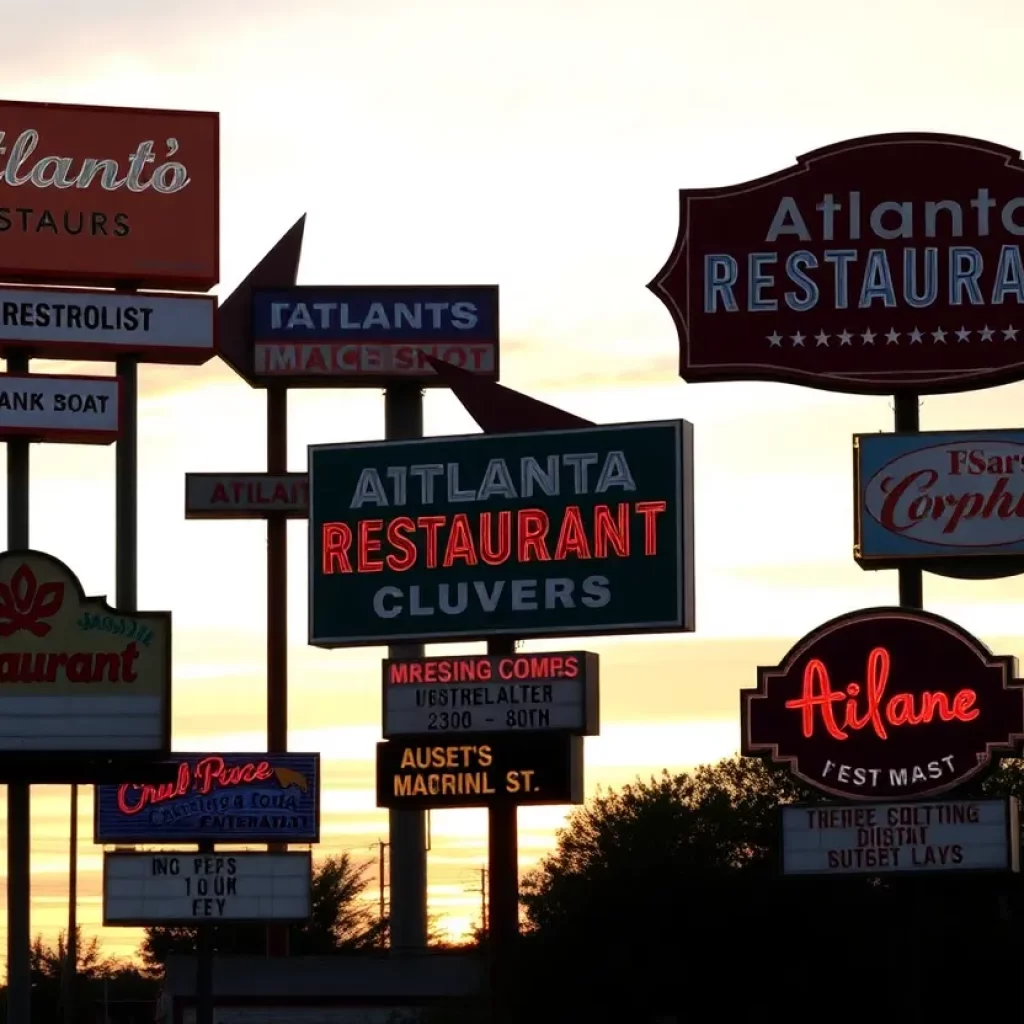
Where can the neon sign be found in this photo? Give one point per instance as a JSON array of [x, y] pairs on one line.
[[885, 703]]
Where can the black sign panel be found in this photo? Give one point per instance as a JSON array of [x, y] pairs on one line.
[[481, 770]]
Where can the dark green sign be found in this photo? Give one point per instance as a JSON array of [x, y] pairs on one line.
[[553, 533]]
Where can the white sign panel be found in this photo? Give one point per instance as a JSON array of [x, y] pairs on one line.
[[195, 888], [550, 691], [947, 835], [79, 324], [86, 410]]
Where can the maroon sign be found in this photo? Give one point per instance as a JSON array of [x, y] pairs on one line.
[[882, 263], [885, 703]]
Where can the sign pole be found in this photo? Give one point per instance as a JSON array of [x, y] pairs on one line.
[[403, 419], [19, 879], [503, 884], [277, 615], [71, 951], [204, 964]]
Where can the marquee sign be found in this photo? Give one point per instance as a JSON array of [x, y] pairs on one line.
[[81, 677], [106, 195], [885, 703], [216, 798], [549, 533], [878, 263], [938, 495], [82, 410], [550, 691], [366, 335], [73, 323], [480, 770], [245, 495], [142, 889], [951, 835]]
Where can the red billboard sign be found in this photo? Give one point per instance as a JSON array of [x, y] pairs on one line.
[[885, 703], [108, 195], [881, 263]]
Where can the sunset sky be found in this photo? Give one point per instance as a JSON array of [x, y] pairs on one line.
[[540, 146]]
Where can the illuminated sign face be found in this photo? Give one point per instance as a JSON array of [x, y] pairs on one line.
[[102, 195], [953, 835], [365, 336], [217, 798], [879, 263], [77, 410], [568, 532], [245, 495], [492, 693], [141, 889], [938, 495], [885, 703], [71, 323], [481, 770], [79, 677]]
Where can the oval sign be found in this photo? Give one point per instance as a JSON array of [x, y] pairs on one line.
[[960, 494], [886, 703]]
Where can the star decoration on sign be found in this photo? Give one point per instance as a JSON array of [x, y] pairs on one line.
[[844, 338], [798, 339], [939, 335], [869, 337], [915, 337], [822, 339], [986, 333], [775, 340], [893, 337], [1010, 334], [963, 334]]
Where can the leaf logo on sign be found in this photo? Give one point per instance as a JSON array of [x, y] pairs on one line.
[[24, 603]]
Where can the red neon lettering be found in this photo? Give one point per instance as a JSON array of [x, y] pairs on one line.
[[572, 538], [491, 555], [460, 542], [431, 525], [369, 545], [877, 713], [650, 510], [336, 539], [397, 537], [608, 532], [532, 529]]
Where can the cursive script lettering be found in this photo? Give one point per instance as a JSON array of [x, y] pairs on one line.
[[59, 172], [877, 712], [210, 773]]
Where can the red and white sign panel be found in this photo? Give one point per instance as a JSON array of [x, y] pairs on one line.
[[72, 323], [948, 835], [107, 195], [246, 495], [544, 692], [194, 888], [77, 410]]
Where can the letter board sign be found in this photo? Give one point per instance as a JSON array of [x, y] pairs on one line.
[[949, 835], [75, 410], [550, 533], [543, 692], [216, 798], [142, 889]]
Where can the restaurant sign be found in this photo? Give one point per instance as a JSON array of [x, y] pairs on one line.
[[217, 798], [549, 691], [885, 703], [245, 495], [504, 768], [550, 533], [109, 195], [874, 839], [81, 677], [879, 263], [939, 495], [368, 335]]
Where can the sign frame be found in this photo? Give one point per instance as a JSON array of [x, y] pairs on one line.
[[1013, 844], [426, 379], [61, 435], [225, 837], [158, 126], [248, 510], [681, 491], [50, 345], [180, 922], [588, 682]]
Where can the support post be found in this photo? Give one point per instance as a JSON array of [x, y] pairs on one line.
[[277, 616], [403, 419], [204, 964], [71, 957], [503, 886], [19, 878]]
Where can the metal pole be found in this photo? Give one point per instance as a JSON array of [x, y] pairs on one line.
[[71, 959], [126, 472], [204, 964], [277, 616], [503, 886], [19, 863], [403, 419]]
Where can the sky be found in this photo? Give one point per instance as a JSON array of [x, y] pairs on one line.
[[538, 145]]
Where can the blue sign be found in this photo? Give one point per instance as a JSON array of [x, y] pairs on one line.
[[217, 798], [938, 495], [369, 334]]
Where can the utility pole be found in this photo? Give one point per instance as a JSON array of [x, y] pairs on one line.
[[483, 902], [381, 847]]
